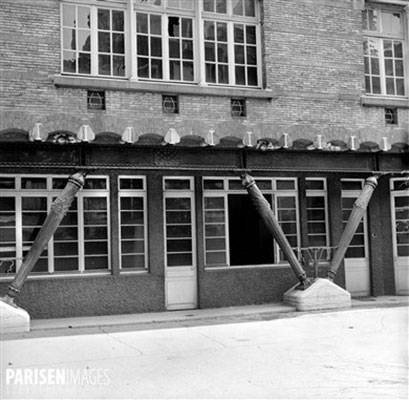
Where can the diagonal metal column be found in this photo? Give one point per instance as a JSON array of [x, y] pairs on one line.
[[358, 211], [266, 214], [57, 212]]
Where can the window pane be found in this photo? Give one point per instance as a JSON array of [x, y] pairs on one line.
[[118, 43], [223, 74], [178, 231], [173, 27], [174, 70], [69, 41], [84, 17], [156, 25], [117, 20], [118, 66], [84, 40], [142, 23], [69, 18], [174, 50], [187, 46], [375, 66], [390, 86], [104, 42], [398, 68], [104, 65], [221, 6], [240, 76], [179, 245], [33, 183], [7, 183], [397, 46], [249, 8], [376, 85], [156, 47], [84, 63], [239, 54], [133, 261], [188, 71], [65, 264], [209, 30], [143, 46], [400, 87], [179, 259], [156, 69], [216, 258], [96, 263], [251, 34], [387, 48], [104, 19], [391, 23], [208, 5], [221, 32], [210, 52], [251, 55], [187, 28], [238, 33], [237, 7]]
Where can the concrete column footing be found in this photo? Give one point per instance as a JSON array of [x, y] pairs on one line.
[[13, 319], [321, 295]]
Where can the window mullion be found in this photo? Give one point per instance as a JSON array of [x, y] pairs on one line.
[[80, 221], [19, 231], [130, 28], [199, 43], [51, 241], [230, 49], [259, 56], [94, 41], [226, 228], [165, 47], [382, 67]]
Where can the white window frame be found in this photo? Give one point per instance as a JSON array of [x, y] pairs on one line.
[[320, 193], [354, 193], [18, 193], [180, 193], [131, 7], [274, 192], [112, 5], [379, 36], [133, 193]]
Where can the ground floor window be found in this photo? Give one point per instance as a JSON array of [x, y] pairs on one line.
[[234, 234], [132, 222], [80, 243]]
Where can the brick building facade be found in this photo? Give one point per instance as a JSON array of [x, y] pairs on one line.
[[165, 103]]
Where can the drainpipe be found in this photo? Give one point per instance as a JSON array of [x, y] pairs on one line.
[[266, 214], [358, 211], [57, 212]]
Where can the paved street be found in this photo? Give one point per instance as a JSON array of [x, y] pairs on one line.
[[360, 354]]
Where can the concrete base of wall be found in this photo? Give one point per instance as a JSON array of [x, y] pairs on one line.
[[321, 295], [13, 319]]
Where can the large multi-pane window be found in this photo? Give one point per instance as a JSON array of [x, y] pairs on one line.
[[132, 223], [384, 50], [234, 234], [93, 40], [317, 218], [203, 42], [81, 241]]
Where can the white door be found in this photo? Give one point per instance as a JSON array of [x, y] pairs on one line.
[[357, 273], [180, 257], [400, 230]]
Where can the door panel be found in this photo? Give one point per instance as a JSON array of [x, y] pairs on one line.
[[180, 257], [356, 262], [400, 227]]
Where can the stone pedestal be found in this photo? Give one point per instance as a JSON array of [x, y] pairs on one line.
[[13, 319], [321, 295]]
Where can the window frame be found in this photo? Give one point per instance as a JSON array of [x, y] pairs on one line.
[[142, 193], [275, 193], [94, 51], [197, 15], [379, 37], [49, 193]]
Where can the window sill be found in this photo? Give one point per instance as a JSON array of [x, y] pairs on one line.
[[160, 87], [237, 267], [6, 278], [373, 101]]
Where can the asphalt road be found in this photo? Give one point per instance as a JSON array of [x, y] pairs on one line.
[[355, 354]]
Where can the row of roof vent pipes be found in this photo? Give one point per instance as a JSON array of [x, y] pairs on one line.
[[86, 134]]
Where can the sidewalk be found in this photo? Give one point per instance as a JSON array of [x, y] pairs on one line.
[[194, 317]]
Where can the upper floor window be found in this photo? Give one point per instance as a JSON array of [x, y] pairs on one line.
[[384, 51], [204, 42], [93, 41]]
